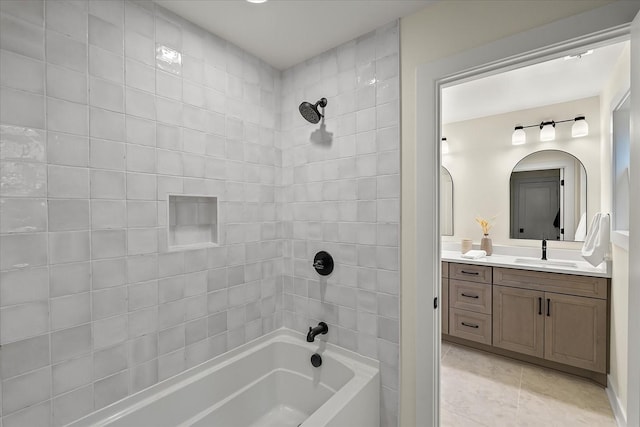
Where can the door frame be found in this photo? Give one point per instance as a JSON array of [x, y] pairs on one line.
[[603, 25]]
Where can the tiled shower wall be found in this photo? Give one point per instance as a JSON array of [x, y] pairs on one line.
[[96, 131], [341, 190]]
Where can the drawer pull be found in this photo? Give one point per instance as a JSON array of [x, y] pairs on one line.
[[470, 296], [470, 325], [539, 305], [473, 273], [548, 307]]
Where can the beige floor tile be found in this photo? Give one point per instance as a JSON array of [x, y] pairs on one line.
[[482, 389], [542, 410], [572, 390], [449, 418]]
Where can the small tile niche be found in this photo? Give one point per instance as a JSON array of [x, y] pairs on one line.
[[193, 222]]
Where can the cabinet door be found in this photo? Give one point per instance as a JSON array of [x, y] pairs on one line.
[[518, 320], [576, 331], [444, 305]]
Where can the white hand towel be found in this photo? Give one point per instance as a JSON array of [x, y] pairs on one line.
[[474, 254], [596, 244]]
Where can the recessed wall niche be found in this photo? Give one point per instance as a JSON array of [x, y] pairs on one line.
[[193, 221]]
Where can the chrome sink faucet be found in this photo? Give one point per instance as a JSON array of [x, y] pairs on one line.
[[544, 249]]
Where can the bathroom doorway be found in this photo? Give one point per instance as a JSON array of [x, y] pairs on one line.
[[539, 44]]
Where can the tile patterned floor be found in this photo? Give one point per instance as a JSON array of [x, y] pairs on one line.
[[479, 389]]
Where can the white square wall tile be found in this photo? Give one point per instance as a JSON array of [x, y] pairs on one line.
[[141, 158], [13, 291], [19, 72], [21, 37], [23, 215], [106, 154], [21, 143], [105, 64], [141, 186], [67, 150], [107, 214], [73, 405], [23, 250], [108, 243], [68, 215], [142, 241], [71, 374], [69, 311], [105, 35], [141, 131], [26, 390], [21, 108], [68, 117], [68, 246], [23, 179], [23, 321], [106, 94], [23, 356], [67, 18], [66, 51], [67, 279], [107, 184], [66, 84], [68, 182]]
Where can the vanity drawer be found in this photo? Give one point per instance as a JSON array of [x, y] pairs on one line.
[[470, 296], [469, 272], [445, 269], [470, 326], [584, 286]]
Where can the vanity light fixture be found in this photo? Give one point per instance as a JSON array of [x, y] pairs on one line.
[[548, 130], [445, 146], [257, 1], [580, 127]]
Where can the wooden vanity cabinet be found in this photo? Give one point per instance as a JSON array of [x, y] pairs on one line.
[[470, 302], [518, 320], [533, 318], [575, 331], [553, 319], [444, 297]]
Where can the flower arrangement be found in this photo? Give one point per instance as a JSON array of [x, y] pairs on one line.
[[485, 224]]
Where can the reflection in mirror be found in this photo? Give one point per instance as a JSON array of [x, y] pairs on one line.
[[446, 202], [548, 197]]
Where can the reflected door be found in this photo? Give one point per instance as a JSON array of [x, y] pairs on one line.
[[536, 208]]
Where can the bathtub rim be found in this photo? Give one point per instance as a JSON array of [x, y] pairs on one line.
[[365, 370]]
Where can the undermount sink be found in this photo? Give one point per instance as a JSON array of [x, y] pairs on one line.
[[546, 262]]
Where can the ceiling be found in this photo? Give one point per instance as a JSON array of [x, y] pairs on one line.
[[284, 33], [547, 83]]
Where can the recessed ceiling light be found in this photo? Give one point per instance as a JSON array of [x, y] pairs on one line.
[[257, 1]]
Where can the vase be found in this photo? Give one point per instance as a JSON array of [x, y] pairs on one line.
[[486, 245]]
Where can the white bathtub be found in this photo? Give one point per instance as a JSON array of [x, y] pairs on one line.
[[267, 382]]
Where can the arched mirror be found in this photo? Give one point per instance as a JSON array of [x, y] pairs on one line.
[[548, 197], [446, 202]]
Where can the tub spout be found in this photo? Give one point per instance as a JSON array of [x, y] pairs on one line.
[[322, 328]]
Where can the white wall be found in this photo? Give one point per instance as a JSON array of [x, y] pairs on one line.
[[481, 159], [616, 87]]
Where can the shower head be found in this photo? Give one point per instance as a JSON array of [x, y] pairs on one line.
[[310, 111]]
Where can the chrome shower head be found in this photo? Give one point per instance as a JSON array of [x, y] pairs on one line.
[[310, 111]]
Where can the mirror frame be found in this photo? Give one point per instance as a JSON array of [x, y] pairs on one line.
[[444, 169], [584, 192]]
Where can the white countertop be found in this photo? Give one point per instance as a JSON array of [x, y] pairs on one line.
[[582, 268]]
